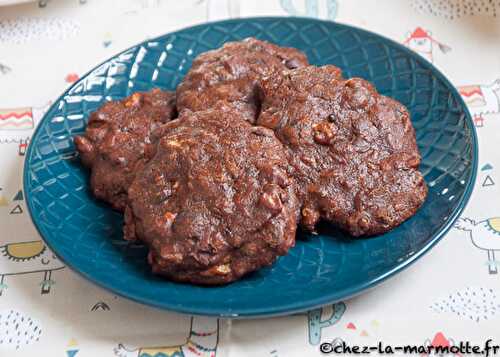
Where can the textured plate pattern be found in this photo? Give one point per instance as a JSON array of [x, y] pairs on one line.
[[87, 235]]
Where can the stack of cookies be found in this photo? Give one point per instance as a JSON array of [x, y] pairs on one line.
[[255, 142]]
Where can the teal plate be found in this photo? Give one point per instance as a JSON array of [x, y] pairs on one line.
[[87, 235]]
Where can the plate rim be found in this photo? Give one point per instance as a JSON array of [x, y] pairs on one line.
[[286, 308]]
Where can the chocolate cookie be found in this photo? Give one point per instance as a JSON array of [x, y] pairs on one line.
[[352, 150], [231, 72], [215, 201], [115, 138]]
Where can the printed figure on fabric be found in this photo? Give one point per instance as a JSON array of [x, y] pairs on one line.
[[28, 258], [485, 235], [474, 303], [317, 321], [17, 125], [311, 8], [202, 342], [481, 99], [486, 176], [439, 340], [24, 30], [454, 9], [422, 42], [17, 330]]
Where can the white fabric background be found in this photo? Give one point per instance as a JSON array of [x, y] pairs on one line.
[[40, 47]]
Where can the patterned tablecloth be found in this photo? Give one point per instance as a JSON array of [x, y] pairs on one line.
[[452, 294]]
